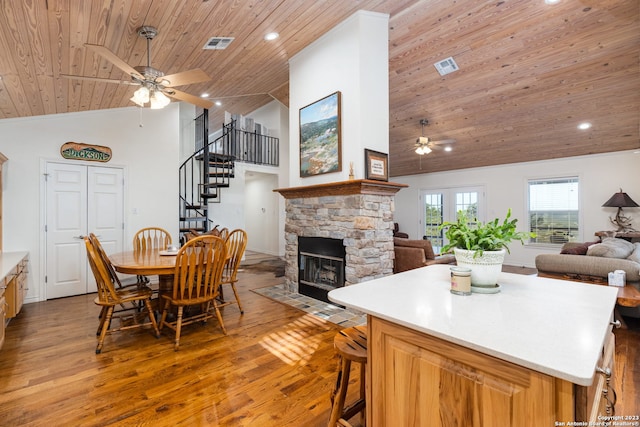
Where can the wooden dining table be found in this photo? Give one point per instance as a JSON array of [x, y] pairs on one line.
[[147, 263]]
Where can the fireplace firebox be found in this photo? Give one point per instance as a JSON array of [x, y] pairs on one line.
[[321, 264]]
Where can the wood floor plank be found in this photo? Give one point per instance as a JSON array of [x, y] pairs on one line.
[[276, 367]]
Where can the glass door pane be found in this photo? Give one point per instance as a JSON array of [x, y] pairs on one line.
[[433, 217]]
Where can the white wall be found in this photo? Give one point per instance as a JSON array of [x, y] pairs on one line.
[[352, 58], [149, 154], [600, 176]]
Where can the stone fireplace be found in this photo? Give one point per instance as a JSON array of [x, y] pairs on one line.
[[359, 213]]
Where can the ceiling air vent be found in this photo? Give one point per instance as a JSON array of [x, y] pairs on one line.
[[218, 43], [446, 66]]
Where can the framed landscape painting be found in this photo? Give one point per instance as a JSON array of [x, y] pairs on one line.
[[320, 144]]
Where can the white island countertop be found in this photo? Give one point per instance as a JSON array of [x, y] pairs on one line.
[[555, 327]]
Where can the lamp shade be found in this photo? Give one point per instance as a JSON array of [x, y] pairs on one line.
[[158, 100], [620, 200]]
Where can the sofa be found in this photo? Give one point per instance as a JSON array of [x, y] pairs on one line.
[[410, 254], [591, 262]]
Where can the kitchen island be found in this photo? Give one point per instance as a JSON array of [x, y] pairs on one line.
[[526, 356]]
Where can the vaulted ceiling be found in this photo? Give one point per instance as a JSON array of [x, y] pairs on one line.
[[529, 72]]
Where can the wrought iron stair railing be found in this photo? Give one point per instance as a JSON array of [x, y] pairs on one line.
[[212, 166]]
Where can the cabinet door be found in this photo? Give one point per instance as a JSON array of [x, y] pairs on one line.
[[419, 380], [11, 294], [604, 400], [21, 285], [3, 319]]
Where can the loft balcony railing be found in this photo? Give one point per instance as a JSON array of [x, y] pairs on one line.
[[244, 146]]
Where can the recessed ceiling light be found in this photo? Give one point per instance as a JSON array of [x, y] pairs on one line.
[[448, 148], [218, 103], [584, 126], [204, 95], [552, 1], [271, 36]]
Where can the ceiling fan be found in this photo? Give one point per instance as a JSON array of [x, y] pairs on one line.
[[425, 145], [155, 86]]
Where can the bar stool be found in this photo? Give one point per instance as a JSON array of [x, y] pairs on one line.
[[351, 346]]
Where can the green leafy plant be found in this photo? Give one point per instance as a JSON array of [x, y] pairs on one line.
[[479, 237]]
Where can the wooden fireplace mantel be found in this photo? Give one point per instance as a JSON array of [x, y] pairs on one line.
[[342, 188]]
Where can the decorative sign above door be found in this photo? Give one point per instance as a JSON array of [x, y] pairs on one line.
[[79, 151]]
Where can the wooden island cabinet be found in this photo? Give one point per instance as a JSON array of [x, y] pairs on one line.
[[540, 352]]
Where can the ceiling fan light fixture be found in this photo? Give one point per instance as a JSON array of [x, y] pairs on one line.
[[158, 100], [422, 150], [140, 96]]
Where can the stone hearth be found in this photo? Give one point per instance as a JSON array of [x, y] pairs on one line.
[[359, 212]]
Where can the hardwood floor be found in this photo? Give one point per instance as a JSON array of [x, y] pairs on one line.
[[275, 368]]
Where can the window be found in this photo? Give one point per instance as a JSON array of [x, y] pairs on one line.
[[553, 210]]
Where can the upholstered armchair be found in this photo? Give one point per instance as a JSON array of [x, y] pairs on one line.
[[412, 254]]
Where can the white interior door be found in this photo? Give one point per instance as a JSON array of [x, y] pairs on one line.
[[105, 210], [80, 199]]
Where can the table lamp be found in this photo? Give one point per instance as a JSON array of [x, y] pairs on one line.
[[621, 200]]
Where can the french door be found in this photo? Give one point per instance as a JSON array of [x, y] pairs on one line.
[[80, 199], [442, 205]]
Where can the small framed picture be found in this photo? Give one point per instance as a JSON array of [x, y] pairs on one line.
[[376, 165]]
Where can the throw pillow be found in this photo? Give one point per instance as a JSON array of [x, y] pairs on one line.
[[635, 255], [576, 249], [611, 248]]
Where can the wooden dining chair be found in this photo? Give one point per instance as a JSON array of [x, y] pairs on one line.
[[236, 243], [150, 239], [109, 297], [196, 283], [224, 233], [115, 279]]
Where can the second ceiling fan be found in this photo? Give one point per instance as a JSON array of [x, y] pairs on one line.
[[425, 145], [155, 86]]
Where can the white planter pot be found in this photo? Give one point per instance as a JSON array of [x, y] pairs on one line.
[[484, 269]]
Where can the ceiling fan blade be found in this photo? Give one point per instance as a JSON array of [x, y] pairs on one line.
[[100, 80], [111, 57], [443, 142], [192, 99], [184, 78]]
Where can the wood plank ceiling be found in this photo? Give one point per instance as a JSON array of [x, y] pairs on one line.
[[529, 72]]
